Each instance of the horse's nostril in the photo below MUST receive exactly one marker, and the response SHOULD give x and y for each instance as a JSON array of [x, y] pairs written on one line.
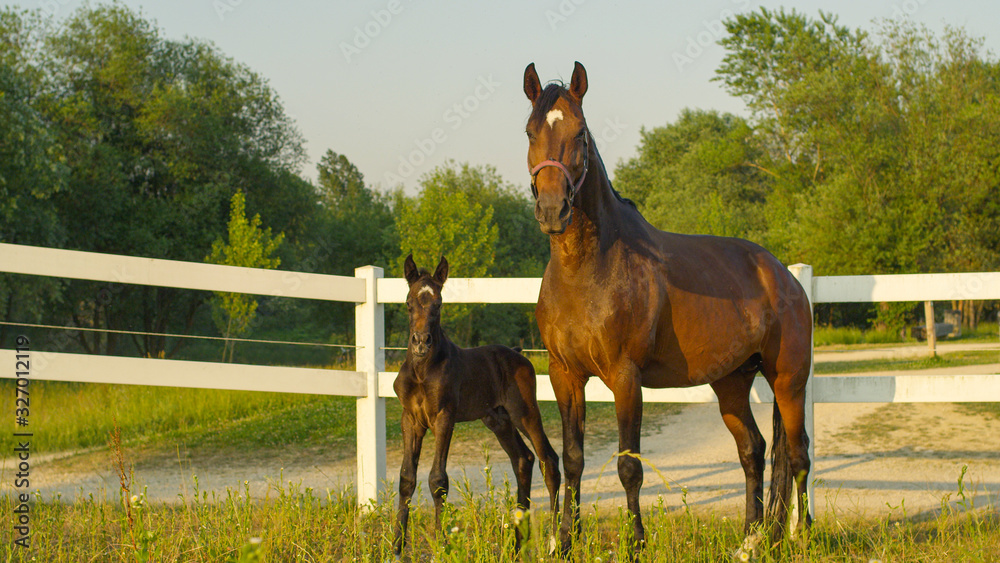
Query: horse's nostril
[[420, 339], [565, 211]]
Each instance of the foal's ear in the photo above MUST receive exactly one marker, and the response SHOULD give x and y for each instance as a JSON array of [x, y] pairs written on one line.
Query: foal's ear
[[578, 84], [441, 273], [532, 86], [410, 271]]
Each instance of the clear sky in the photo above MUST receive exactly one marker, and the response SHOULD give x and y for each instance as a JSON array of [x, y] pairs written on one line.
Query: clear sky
[[401, 86]]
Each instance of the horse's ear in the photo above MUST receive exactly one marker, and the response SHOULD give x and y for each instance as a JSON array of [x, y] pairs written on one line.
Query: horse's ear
[[578, 84], [532, 86], [410, 270], [441, 273]]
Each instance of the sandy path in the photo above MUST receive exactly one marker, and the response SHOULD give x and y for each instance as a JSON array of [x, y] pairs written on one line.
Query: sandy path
[[915, 452]]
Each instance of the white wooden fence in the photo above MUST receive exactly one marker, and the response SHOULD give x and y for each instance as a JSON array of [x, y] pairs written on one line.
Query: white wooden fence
[[371, 384]]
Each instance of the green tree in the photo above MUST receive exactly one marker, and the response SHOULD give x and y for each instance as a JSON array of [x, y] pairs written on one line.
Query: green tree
[[249, 246], [444, 220], [520, 251], [699, 175], [356, 225], [875, 143], [150, 137], [31, 170]]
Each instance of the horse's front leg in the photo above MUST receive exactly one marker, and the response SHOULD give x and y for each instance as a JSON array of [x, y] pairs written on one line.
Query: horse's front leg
[[569, 392], [628, 408], [413, 437], [438, 479]]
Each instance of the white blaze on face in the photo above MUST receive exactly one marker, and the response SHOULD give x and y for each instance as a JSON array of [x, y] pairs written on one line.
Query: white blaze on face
[[426, 289], [553, 116]]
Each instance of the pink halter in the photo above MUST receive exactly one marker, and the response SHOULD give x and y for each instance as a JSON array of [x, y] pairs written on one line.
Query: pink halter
[[569, 177]]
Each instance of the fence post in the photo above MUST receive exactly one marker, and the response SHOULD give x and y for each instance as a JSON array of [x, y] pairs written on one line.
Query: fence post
[[804, 273], [369, 327]]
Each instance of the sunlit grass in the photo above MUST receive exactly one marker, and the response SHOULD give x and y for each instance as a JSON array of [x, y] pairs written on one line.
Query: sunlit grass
[[824, 336], [294, 523], [951, 359]]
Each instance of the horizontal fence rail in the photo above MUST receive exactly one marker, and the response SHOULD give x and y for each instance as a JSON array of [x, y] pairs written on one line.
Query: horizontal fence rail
[[39, 261], [371, 384], [906, 287], [88, 368], [468, 290]]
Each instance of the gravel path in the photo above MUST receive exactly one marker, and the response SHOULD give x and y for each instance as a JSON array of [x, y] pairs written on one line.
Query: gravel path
[[869, 458]]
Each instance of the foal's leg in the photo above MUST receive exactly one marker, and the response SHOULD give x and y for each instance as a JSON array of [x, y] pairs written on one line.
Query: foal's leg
[[413, 437], [733, 392], [524, 411], [569, 391], [521, 459], [444, 425], [628, 407]]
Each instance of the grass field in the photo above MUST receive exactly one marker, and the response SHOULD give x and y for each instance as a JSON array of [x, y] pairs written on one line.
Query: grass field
[[293, 523], [951, 359], [849, 336]]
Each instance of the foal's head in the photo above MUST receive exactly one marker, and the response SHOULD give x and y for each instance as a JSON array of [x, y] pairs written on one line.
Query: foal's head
[[558, 143], [423, 305]]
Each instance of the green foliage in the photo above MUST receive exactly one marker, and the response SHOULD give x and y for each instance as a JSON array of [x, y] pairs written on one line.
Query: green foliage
[[848, 336], [894, 317], [355, 225], [698, 175], [446, 220], [485, 227], [131, 143], [248, 246], [876, 143]]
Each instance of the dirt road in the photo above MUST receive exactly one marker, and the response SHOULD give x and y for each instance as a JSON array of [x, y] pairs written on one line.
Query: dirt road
[[869, 459]]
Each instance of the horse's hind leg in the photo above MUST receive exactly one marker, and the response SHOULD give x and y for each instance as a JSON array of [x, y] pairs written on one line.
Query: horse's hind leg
[[790, 465], [526, 416], [521, 459], [733, 392]]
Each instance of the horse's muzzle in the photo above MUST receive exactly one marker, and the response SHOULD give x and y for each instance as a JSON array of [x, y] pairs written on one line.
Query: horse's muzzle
[[420, 343], [553, 219]]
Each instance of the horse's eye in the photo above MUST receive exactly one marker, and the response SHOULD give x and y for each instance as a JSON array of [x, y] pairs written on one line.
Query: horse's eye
[[531, 136], [581, 136]]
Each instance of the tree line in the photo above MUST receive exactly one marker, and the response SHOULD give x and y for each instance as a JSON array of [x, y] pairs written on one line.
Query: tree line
[[862, 153]]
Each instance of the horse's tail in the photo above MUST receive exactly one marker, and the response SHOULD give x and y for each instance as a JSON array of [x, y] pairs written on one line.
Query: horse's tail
[[782, 478]]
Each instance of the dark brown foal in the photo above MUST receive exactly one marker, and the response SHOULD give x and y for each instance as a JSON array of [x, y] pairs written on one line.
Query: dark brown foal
[[440, 384]]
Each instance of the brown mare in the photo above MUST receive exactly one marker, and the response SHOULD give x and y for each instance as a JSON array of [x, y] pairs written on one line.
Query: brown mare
[[639, 307], [440, 384]]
